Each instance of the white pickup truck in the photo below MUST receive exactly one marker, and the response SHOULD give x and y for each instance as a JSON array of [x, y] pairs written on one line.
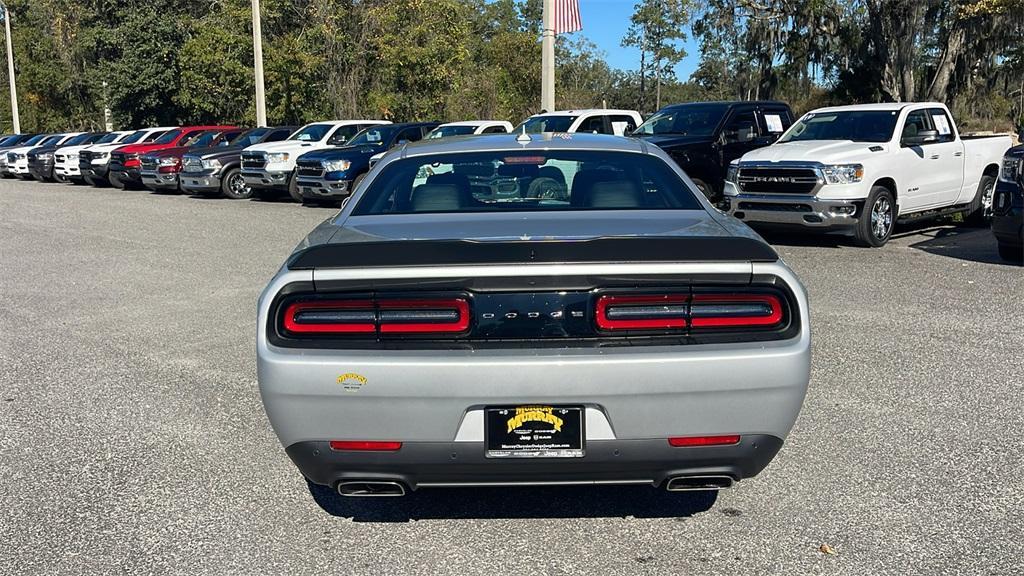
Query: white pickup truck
[[863, 168], [270, 166]]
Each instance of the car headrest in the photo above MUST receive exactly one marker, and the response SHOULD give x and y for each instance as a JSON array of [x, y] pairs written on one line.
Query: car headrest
[[614, 194], [438, 198], [605, 189]]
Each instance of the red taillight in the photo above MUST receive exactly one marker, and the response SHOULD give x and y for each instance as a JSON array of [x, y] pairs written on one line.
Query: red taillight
[[365, 446], [370, 316], [424, 316], [642, 312], [735, 310], [331, 317], [688, 441]]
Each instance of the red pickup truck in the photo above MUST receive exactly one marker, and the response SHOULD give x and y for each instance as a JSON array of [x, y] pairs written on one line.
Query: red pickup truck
[[125, 163]]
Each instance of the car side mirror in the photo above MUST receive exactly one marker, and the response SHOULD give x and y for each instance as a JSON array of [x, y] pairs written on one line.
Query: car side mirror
[[922, 137]]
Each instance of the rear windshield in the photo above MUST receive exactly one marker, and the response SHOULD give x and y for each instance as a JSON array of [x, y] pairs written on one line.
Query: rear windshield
[[526, 182], [539, 124], [858, 126]]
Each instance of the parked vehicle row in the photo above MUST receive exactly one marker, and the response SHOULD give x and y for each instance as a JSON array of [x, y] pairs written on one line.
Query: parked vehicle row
[[854, 169]]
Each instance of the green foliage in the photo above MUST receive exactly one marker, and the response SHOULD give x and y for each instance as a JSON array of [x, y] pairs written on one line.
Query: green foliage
[[184, 61]]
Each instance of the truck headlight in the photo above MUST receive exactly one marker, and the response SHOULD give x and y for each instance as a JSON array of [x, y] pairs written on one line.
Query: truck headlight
[[843, 173], [1010, 169], [72, 157], [733, 172], [336, 165], [211, 164], [101, 156], [45, 156], [167, 161], [275, 157]]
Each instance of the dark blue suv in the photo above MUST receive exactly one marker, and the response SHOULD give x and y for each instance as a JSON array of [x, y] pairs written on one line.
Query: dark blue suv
[[1008, 206], [332, 173]]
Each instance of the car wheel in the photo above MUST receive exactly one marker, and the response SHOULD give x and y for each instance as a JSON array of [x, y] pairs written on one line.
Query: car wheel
[[706, 189], [980, 213], [60, 179], [877, 219], [1011, 253], [233, 186], [115, 181], [293, 189]]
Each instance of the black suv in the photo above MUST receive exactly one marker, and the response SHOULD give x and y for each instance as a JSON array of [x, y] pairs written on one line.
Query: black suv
[[704, 137]]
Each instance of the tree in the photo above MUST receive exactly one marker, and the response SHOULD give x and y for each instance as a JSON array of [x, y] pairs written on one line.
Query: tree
[[656, 28]]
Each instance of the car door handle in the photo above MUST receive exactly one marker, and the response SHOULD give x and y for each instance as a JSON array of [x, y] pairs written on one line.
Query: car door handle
[[958, 154], [934, 156]]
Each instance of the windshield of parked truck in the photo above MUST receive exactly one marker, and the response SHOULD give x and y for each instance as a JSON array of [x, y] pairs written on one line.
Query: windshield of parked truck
[[446, 131], [249, 137], [168, 137], [686, 120], [374, 136], [9, 140], [540, 124], [35, 139], [52, 140], [107, 138], [80, 139], [521, 181], [202, 139], [858, 126], [312, 133]]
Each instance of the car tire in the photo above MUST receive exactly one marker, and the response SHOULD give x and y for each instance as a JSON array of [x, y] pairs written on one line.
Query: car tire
[[60, 179], [1011, 253], [293, 189], [706, 189], [116, 182], [980, 213], [877, 219], [233, 186]]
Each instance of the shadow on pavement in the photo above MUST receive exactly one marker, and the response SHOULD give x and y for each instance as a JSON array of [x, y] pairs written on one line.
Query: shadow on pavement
[[971, 244], [532, 502]]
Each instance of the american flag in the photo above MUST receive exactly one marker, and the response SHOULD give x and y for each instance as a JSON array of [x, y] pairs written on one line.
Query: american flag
[[567, 16]]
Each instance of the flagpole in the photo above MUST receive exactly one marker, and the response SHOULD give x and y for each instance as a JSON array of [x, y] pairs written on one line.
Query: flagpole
[[547, 71]]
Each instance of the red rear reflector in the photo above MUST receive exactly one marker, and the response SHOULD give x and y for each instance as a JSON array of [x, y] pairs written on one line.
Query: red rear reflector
[[330, 317], [642, 312], [365, 446], [433, 315], [735, 310], [685, 441]]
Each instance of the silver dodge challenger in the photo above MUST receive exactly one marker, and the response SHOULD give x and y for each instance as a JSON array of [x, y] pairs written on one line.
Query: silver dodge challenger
[[539, 309]]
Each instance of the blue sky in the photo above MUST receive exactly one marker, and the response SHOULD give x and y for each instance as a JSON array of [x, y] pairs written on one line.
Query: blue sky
[[605, 23]]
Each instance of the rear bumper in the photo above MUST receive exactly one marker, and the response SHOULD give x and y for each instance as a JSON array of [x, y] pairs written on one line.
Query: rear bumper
[[427, 464], [266, 179], [794, 210]]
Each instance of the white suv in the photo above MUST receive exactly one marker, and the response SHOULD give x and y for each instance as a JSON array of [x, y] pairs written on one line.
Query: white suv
[[595, 120]]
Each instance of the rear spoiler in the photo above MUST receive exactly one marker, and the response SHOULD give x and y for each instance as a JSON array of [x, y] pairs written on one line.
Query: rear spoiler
[[663, 249]]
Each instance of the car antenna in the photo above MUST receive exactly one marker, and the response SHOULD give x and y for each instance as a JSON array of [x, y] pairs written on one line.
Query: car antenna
[[523, 136]]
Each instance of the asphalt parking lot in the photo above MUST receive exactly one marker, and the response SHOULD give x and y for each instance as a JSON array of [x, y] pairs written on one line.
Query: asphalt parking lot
[[132, 438]]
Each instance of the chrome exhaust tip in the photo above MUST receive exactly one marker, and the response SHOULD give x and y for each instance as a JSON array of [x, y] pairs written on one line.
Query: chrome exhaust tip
[[689, 483], [371, 489]]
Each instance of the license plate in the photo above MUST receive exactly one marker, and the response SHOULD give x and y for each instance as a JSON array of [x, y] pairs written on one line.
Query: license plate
[[531, 431]]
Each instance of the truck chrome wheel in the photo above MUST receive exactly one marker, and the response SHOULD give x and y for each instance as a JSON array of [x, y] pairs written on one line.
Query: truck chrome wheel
[[237, 185], [881, 218], [987, 195]]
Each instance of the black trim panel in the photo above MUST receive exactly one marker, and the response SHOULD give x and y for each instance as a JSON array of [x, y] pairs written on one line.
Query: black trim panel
[[465, 463], [466, 252]]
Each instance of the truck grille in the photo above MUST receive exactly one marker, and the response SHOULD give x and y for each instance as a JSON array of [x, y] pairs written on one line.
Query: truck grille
[[148, 163], [253, 160], [59, 158], [778, 180], [32, 157], [310, 168], [191, 164]]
